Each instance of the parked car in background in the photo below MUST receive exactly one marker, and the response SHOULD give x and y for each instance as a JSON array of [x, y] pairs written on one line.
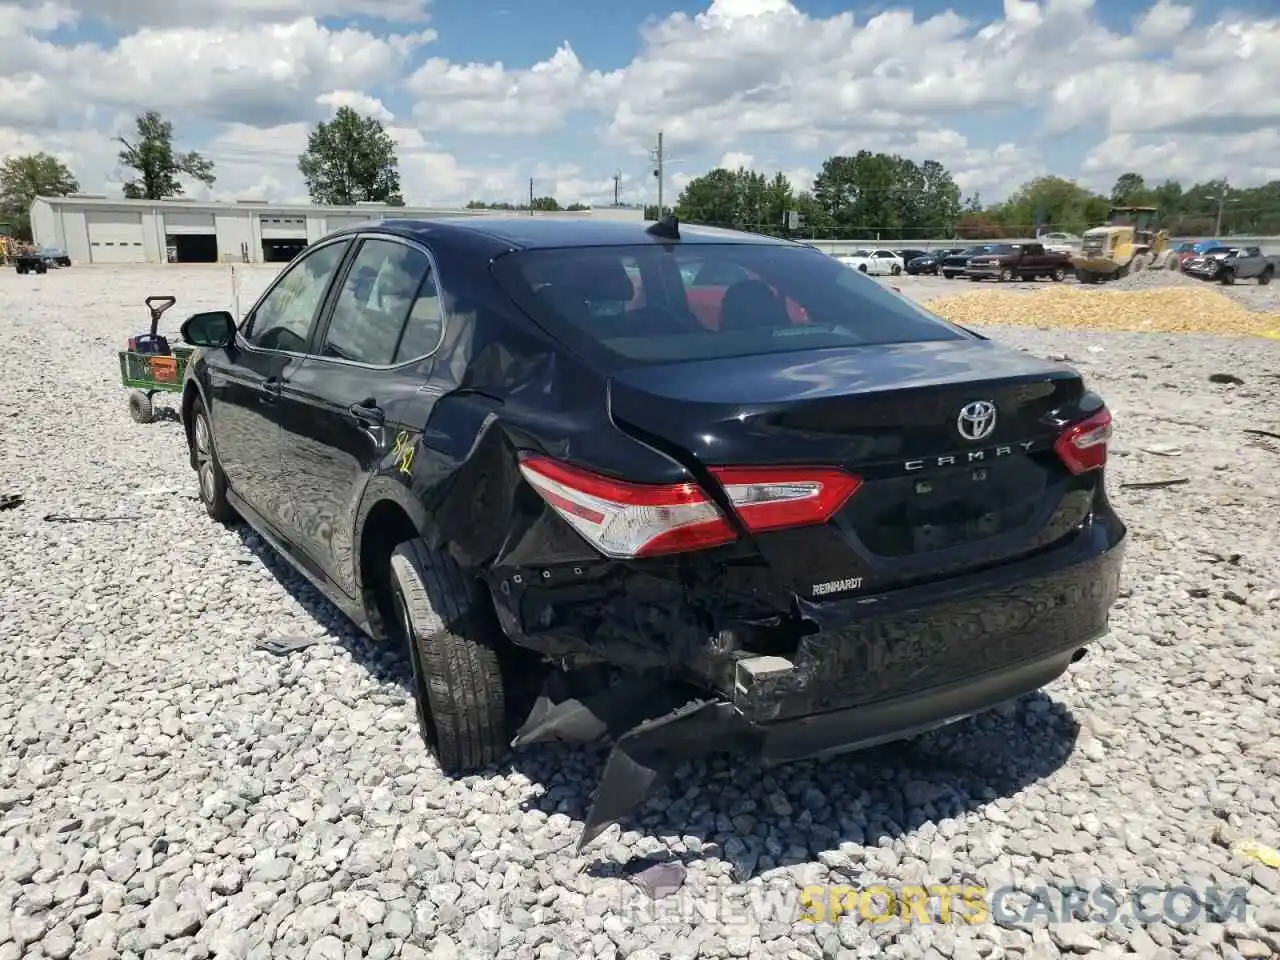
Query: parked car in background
[[1060, 242], [954, 265], [588, 516], [55, 256], [1018, 261], [1192, 249], [874, 262], [928, 263], [1229, 264], [908, 255]]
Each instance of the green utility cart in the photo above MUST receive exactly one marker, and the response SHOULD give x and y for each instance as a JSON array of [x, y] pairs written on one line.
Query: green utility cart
[[150, 366]]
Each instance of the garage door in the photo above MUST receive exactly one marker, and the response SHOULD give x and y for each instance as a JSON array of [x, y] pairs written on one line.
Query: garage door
[[178, 224], [284, 228], [115, 237]]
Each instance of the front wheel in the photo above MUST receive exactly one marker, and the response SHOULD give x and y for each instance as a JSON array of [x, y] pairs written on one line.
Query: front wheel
[[213, 482], [1006, 275], [1227, 278], [453, 640], [1266, 277]]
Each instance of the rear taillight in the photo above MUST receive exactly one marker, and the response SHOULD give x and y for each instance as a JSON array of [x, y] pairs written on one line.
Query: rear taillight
[[1083, 446], [770, 498], [622, 519]]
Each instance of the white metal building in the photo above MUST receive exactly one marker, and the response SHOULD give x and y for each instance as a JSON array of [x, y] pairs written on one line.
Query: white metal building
[[96, 229]]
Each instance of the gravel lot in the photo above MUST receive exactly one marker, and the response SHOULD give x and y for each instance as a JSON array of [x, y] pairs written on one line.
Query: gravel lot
[[168, 790], [1249, 293]]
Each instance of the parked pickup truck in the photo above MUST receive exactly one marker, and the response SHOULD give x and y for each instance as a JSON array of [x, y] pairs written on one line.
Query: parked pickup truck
[[1229, 264], [1018, 261]]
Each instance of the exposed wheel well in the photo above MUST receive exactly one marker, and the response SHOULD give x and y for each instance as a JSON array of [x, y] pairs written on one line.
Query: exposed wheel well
[[386, 527]]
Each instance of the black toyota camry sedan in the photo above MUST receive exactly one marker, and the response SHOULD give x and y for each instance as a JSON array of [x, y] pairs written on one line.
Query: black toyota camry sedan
[[675, 488]]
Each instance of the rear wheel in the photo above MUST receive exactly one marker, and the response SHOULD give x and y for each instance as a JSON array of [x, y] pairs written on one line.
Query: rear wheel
[[213, 482], [1058, 275], [1267, 274], [454, 643], [140, 407], [895, 270], [1228, 278], [862, 268]]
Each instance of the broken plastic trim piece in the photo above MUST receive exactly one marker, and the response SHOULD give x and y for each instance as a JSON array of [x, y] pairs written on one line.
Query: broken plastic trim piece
[[644, 758], [653, 724], [282, 645]]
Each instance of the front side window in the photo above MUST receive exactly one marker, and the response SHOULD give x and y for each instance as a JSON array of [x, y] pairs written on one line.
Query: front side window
[[377, 296], [769, 299], [283, 318]]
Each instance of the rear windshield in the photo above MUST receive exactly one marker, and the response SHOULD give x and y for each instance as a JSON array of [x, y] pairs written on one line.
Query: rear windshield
[[1003, 248], [660, 304]]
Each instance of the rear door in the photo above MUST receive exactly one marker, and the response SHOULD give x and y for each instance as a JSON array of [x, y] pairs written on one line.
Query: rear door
[[359, 397], [245, 380]]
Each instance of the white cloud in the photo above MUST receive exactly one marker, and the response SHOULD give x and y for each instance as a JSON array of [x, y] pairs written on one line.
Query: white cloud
[[489, 98], [131, 13], [743, 81], [360, 102]]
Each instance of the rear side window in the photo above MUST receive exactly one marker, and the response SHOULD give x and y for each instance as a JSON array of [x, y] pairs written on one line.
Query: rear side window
[[378, 303], [651, 303]]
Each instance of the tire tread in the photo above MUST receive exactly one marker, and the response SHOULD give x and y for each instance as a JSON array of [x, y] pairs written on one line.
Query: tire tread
[[455, 635]]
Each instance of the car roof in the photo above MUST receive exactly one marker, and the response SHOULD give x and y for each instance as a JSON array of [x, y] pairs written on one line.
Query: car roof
[[533, 233]]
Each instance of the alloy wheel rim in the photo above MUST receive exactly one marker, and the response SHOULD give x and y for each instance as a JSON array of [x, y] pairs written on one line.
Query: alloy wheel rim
[[204, 460]]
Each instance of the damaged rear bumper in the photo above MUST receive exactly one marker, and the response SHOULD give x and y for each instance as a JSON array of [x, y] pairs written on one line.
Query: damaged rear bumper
[[874, 669]]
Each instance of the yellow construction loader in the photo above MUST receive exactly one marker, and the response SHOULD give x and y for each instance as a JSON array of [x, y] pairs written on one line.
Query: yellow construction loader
[[1126, 243]]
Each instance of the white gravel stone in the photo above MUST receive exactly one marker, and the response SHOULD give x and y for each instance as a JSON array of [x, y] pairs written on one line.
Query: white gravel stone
[[166, 789]]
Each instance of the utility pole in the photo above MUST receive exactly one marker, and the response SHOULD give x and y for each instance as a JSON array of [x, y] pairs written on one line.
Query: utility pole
[[1222, 200], [658, 158], [617, 187], [531, 196]]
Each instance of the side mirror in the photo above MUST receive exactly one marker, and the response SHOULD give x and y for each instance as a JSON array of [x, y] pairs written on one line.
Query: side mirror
[[216, 328]]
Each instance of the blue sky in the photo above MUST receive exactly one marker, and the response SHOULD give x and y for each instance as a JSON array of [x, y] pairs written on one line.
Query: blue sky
[[480, 99]]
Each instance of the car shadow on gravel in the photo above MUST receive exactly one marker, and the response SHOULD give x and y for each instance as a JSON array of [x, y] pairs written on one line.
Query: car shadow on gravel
[[759, 817]]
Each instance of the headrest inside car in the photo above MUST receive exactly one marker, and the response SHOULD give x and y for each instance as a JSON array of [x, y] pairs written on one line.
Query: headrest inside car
[[597, 279]]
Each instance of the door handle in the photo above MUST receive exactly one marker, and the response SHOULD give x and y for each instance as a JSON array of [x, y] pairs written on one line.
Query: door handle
[[269, 389], [367, 413]]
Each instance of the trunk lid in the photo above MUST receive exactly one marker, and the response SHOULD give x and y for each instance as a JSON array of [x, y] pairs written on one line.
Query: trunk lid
[[934, 501]]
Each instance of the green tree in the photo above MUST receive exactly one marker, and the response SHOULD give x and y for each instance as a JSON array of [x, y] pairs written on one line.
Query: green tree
[[1131, 190], [22, 179], [977, 225], [159, 168], [1050, 202], [738, 199], [350, 159], [550, 204]]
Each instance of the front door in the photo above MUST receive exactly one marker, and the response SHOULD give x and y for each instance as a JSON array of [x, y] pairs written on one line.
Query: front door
[[359, 396], [245, 378]]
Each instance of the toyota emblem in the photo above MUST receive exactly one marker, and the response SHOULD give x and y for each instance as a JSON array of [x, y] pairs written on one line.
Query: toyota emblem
[[977, 420]]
